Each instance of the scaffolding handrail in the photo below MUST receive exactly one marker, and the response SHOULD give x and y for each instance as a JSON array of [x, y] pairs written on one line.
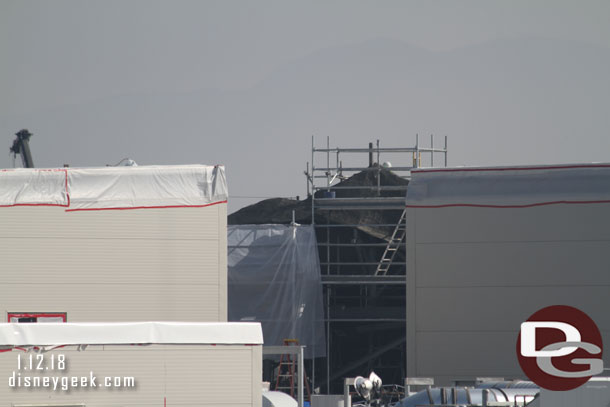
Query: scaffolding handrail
[[327, 197], [380, 150]]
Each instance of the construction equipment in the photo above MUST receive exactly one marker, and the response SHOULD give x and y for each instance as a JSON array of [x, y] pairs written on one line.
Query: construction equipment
[[286, 374], [21, 146], [393, 246]]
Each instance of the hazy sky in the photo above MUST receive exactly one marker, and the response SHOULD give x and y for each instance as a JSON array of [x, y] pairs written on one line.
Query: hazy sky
[[62, 52], [82, 59]]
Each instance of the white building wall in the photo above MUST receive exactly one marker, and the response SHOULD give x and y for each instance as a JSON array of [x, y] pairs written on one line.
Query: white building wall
[[172, 375], [111, 260], [115, 265], [475, 273]]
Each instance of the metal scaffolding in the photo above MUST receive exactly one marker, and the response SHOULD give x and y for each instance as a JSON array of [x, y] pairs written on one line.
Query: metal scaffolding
[[369, 291]]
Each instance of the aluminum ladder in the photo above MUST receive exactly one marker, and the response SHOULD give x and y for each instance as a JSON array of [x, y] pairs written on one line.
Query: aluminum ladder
[[398, 236]]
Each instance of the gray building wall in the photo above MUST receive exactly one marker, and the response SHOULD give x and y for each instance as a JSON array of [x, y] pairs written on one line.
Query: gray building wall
[[475, 273]]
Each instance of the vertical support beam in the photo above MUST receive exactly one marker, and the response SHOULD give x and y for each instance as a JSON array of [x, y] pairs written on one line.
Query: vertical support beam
[[328, 261], [417, 156], [432, 152], [301, 374], [445, 151], [307, 178], [378, 171], [313, 182], [327, 339], [328, 162], [411, 345], [347, 399], [313, 368], [317, 181]]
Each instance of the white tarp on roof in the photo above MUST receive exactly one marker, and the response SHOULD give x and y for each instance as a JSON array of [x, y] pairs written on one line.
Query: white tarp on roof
[[24, 186], [55, 334], [274, 278], [115, 187], [146, 186], [510, 187]]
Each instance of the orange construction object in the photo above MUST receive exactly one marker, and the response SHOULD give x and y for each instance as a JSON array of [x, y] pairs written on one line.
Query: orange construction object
[[286, 374]]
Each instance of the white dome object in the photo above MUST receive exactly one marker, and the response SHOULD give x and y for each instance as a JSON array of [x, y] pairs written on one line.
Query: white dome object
[[278, 399]]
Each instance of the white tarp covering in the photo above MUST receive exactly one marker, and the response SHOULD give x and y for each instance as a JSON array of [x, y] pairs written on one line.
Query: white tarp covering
[[146, 186], [115, 187], [55, 334], [24, 186], [509, 187], [274, 278]]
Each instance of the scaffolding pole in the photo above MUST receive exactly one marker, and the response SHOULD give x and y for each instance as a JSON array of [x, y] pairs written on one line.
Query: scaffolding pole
[[321, 186]]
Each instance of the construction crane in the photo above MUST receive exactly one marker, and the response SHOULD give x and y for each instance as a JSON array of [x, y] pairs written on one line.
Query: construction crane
[[21, 146]]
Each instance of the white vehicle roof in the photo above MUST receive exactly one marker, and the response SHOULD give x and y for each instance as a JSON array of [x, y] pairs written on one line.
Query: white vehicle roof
[[121, 333]]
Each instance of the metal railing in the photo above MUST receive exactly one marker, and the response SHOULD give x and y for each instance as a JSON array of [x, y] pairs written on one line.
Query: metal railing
[[323, 174]]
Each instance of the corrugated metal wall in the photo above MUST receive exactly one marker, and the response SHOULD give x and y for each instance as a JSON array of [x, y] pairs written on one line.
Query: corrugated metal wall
[[184, 375], [474, 274], [115, 265], [127, 265]]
